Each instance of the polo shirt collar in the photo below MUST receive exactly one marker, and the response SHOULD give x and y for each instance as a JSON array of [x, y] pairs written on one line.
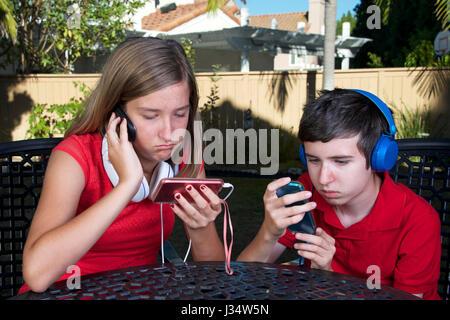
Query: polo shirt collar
[[385, 214]]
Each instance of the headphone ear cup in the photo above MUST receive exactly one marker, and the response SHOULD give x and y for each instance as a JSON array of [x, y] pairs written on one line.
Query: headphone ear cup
[[385, 153], [301, 153], [144, 189]]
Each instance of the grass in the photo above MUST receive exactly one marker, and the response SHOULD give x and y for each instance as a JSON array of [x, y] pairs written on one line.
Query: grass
[[247, 215]]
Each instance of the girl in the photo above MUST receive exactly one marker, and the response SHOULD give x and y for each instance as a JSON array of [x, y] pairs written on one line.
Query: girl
[[82, 218]]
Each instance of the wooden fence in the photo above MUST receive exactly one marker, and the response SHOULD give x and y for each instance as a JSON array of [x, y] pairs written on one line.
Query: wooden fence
[[265, 99]]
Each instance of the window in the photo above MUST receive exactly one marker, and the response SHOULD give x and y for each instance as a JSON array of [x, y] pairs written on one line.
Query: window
[[297, 58]]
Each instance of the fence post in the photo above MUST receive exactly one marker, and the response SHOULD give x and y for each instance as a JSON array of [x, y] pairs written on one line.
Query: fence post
[[311, 86]]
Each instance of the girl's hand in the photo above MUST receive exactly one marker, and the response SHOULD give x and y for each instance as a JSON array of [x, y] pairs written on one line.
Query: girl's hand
[[122, 155], [201, 213]]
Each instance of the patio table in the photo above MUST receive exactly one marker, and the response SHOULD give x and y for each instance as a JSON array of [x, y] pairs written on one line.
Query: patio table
[[209, 281]]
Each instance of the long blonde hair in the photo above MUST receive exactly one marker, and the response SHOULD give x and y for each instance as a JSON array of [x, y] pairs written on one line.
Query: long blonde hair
[[138, 67]]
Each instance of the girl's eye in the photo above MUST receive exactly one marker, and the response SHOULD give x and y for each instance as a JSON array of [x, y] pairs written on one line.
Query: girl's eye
[[149, 117], [180, 115], [313, 160]]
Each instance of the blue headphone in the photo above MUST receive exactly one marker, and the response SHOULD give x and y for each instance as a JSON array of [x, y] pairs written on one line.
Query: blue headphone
[[385, 152]]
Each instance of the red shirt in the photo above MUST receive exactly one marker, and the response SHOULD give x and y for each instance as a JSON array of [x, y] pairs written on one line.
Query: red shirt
[[401, 235], [134, 238]]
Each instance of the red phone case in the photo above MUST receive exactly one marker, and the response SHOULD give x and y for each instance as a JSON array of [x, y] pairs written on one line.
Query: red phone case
[[168, 187]]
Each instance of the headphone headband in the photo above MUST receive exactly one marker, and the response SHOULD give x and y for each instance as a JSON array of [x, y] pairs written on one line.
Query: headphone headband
[[382, 107]]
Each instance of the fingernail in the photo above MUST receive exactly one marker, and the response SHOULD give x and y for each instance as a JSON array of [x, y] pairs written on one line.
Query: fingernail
[[202, 187], [177, 196], [172, 206], [308, 194], [188, 188], [297, 236]]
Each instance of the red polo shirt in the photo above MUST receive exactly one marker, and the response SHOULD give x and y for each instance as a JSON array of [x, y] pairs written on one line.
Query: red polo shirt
[[401, 235]]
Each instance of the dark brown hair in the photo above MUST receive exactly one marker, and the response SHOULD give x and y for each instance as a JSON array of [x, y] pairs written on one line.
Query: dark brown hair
[[343, 113], [136, 68]]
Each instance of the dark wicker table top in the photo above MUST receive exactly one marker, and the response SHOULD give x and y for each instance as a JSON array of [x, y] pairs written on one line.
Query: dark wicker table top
[[209, 281]]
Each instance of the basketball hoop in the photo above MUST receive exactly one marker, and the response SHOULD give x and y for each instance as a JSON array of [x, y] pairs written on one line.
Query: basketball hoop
[[442, 43]]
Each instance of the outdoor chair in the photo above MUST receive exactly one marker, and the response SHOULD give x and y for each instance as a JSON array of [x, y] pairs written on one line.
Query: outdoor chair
[[424, 166], [23, 165]]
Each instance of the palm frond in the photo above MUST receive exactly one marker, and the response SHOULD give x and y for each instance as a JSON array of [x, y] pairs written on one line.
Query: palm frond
[[385, 6], [8, 25], [442, 10], [214, 5]]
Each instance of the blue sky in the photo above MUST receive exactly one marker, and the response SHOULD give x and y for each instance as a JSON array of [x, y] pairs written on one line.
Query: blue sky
[[257, 7]]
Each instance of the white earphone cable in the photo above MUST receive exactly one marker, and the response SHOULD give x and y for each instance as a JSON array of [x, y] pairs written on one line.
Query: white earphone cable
[[228, 185], [170, 174], [225, 185], [162, 235], [187, 252]]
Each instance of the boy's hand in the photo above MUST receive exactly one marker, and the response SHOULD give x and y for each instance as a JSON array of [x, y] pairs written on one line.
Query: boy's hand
[[319, 248], [277, 216]]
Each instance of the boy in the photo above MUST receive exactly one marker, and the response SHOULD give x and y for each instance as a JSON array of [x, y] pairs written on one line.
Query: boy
[[365, 221]]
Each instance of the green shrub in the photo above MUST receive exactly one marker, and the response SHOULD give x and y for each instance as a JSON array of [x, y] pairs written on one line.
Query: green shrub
[[49, 121], [412, 123], [208, 111]]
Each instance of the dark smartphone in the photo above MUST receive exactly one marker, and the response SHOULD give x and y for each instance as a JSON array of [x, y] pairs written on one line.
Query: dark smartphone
[[307, 224], [130, 126]]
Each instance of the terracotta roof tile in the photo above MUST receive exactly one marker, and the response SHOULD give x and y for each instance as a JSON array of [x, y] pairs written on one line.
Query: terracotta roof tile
[[183, 13], [286, 21]]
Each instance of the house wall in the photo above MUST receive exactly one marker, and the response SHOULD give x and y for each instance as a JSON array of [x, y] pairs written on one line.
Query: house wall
[[282, 61], [316, 18], [275, 99]]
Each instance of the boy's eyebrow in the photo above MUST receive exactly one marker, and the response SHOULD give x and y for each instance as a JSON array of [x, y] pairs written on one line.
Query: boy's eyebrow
[[340, 157], [156, 110]]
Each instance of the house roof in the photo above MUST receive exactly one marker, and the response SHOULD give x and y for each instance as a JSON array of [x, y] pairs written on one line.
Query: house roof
[[286, 21], [183, 13], [272, 41]]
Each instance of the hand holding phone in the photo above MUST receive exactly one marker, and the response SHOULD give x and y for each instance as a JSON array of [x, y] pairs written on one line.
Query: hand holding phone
[[306, 225], [120, 159], [130, 126], [168, 187]]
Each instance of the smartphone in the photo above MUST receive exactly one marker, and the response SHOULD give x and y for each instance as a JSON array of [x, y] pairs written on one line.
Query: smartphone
[[130, 126], [307, 225], [168, 187]]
